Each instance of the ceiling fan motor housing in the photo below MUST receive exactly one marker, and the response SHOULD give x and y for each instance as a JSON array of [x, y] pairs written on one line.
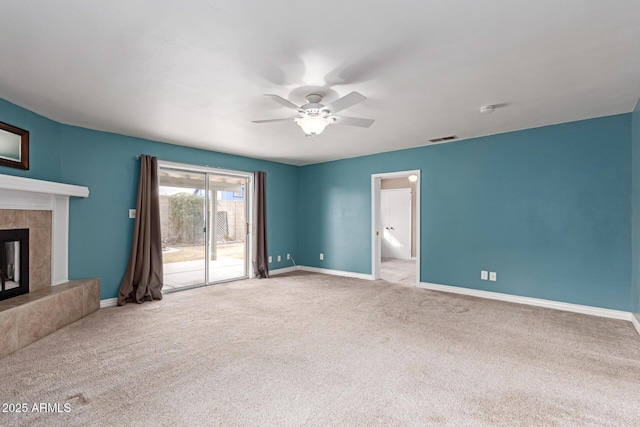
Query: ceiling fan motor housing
[[314, 108], [313, 98]]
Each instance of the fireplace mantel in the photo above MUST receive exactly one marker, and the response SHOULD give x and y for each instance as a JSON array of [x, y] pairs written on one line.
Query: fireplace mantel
[[17, 183], [33, 194]]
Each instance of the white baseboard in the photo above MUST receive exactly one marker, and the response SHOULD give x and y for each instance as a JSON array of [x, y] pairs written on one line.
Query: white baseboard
[[635, 319], [284, 270], [337, 272], [110, 302], [565, 306]]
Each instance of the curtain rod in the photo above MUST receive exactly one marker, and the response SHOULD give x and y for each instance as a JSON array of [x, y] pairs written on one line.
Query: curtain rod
[[171, 161]]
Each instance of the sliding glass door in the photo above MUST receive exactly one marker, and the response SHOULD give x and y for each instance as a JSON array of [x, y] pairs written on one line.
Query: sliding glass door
[[204, 222], [182, 223], [228, 217]]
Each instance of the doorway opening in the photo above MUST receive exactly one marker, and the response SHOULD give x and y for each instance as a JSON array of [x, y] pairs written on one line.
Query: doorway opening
[[395, 214], [204, 219]]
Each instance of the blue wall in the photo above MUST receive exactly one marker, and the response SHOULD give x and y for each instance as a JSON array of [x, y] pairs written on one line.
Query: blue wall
[[548, 209], [100, 233], [100, 230], [635, 203], [44, 142]]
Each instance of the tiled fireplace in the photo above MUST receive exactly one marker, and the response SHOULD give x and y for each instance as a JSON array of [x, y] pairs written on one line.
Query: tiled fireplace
[[35, 214], [38, 222]]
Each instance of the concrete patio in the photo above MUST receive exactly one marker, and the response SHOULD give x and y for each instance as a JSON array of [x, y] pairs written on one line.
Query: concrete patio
[[190, 273]]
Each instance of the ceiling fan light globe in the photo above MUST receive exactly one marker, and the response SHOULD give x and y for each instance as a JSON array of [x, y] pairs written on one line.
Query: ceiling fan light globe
[[313, 125]]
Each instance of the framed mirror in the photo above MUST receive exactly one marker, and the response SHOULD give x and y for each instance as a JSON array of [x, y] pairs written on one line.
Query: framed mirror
[[14, 146]]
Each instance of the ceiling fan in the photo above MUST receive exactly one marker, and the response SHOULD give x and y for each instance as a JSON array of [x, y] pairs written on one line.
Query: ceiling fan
[[315, 117]]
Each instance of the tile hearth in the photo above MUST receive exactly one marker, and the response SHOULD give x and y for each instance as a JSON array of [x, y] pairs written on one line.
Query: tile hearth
[[27, 318]]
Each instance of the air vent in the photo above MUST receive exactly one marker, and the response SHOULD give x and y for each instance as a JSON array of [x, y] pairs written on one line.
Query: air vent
[[444, 138]]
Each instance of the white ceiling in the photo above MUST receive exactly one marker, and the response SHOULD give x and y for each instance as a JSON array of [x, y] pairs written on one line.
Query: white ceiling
[[193, 72]]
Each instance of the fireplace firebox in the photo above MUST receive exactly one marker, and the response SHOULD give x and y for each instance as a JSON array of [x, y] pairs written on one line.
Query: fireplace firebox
[[14, 262]]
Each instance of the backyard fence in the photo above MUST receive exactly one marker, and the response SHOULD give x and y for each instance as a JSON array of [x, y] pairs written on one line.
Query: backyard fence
[[182, 220]]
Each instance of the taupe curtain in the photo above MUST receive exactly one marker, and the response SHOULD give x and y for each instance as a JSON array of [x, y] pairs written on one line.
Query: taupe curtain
[[143, 279], [259, 244]]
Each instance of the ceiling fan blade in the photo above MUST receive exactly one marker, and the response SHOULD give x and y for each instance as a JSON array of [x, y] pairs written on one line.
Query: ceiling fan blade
[[273, 120], [345, 102], [280, 100], [354, 121]]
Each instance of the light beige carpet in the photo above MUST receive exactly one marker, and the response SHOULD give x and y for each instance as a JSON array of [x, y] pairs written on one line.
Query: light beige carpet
[[309, 349]]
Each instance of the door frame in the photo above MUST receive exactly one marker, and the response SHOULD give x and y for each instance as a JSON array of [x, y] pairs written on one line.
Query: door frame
[[249, 214], [376, 243]]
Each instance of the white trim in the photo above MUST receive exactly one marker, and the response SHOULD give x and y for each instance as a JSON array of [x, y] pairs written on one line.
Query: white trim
[[60, 241], [284, 270], [18, 183], [635, 319], [336, 272], [12, 199], [376, 248], [110, 302], [556, 305], [249, 195], [375, 219]]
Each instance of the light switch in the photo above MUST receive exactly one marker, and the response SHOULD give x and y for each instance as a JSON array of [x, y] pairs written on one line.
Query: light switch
[[493, 276], [270, 259], [132, 213], [484, 275]]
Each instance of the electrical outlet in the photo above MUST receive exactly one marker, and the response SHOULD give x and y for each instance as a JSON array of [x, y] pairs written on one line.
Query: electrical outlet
[[270, 259], [132, 213], [493, 276], [279, 258], [288, 256], [321, 256], [484, 275]]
